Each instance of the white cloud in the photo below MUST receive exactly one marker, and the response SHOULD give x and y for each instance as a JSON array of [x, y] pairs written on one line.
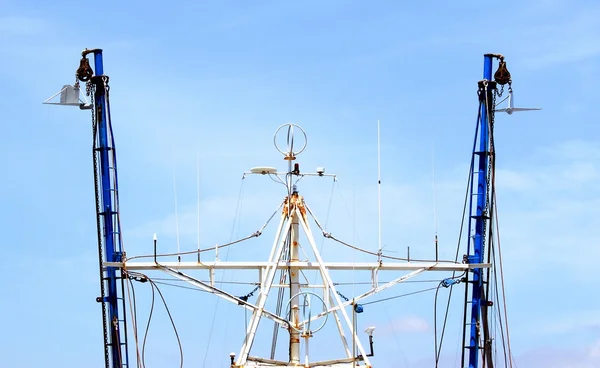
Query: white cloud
[[567, 166], [553, 357], [409, 324], [594, 351]]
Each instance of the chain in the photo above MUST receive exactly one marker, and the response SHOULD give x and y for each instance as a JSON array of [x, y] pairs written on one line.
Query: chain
[[90, 91], [250, 294], [105, 82], [490, 116], [499, 93], [342, 296]]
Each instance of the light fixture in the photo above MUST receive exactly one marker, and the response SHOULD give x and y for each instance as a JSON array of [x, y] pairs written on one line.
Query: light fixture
[[369, 331], [69, 96], [232, 357]]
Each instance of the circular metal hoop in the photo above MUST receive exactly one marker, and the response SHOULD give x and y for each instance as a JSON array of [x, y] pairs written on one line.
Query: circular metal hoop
[[290, 153], [306, 311]]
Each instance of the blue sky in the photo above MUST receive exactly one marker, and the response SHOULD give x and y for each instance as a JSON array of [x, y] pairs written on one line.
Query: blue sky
[[216, 80]]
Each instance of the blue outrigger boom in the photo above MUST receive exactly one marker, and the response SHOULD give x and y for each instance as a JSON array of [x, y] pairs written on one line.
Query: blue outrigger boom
[[480, 214], [107, 210]]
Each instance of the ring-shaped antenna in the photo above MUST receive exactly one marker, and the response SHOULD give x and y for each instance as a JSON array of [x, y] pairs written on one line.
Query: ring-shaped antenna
[[306, 309], [289, 153]]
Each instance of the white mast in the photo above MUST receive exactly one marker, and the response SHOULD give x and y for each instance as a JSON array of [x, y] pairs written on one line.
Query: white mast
[[293, 253], [198, 205], [379, 186], [176, 215]]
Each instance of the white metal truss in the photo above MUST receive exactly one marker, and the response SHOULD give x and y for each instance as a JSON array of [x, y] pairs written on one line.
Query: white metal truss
[[305, 265]]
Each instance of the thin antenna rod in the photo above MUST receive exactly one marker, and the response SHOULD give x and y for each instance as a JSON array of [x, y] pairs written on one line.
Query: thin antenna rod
[[198, 204], [379, 182], [435, 223], [176, 215]]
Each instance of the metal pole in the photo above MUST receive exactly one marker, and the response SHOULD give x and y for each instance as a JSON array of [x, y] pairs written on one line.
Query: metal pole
[[294, 288], [478, 237], [107, 212]]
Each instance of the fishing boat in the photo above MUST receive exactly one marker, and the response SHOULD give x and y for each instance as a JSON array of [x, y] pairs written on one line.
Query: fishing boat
[[295, 296]]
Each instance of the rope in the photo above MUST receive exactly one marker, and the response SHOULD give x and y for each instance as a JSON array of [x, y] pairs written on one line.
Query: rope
[[442, 283], [172, 322], [144, 278], [147, 329], [133, 310]]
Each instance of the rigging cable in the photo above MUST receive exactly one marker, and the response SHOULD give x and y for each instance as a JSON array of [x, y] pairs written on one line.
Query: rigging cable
[[499, 316], [133, 309], [328, 212], [464, 329], [396, 337], [330, 236], [510, 356], [254, 235], [279, 306], [117, 211], [399, 296], [172, 322], [208, 281], [180, 286], [147, 328], [212, 325], [114, 159], [488, 212], [140, 277], [462, 224], [487, 353], [91, 89], [437, 289]]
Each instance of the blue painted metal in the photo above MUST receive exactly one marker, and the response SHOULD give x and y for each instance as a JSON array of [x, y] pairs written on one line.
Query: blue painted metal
[[481, 159], [110, 237], [449, 282]]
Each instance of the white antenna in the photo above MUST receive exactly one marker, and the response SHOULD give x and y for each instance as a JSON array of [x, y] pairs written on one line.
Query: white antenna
[[176, 215], [435, 223], [379, 183], [198, 206]]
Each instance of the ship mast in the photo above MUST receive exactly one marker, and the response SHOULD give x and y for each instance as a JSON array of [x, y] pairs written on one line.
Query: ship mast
[[293, 247], [480, 213], [306, 312], [110, 245]]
